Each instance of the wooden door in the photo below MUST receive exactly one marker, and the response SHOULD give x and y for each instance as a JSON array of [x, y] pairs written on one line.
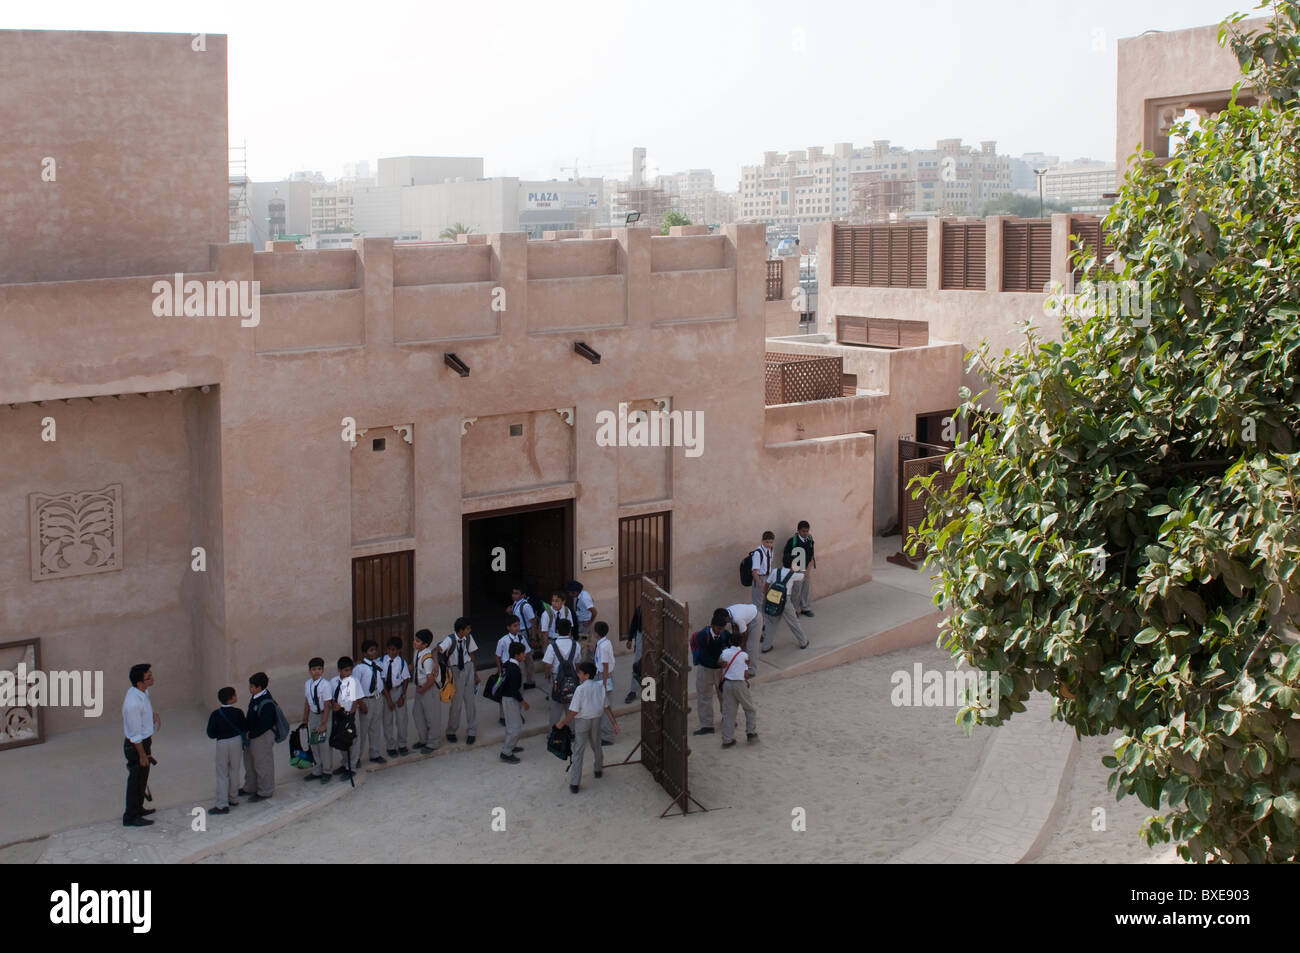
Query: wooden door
[[644, 549], [383, 599]]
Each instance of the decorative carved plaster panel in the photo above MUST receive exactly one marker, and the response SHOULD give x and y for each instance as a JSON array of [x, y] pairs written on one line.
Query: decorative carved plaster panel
[[74, 534]]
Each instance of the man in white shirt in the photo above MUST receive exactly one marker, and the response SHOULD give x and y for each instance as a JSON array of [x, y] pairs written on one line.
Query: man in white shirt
[[746, 620], [348, 696], [523, 611], [427, 705], [138, 725], [584, 607], [585, 710], [563, 646], [370, 722], [760, 566], [459, 651], [396, 673], [790, 580], [604, 661], [735, 691]]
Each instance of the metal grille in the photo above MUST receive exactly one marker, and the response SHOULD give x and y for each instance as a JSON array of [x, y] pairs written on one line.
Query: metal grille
[[962, 263], [775, 280], [794, 378], [644, 546], [1026, 255], [881, 256]]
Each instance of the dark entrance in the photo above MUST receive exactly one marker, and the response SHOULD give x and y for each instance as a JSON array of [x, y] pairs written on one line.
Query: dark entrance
[[930, 428], [383, 599], [538, 551]]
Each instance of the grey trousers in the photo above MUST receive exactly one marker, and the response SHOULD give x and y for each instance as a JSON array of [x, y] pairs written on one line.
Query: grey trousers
[[464, 699], [426, 710], [706, 685], [736, 692], [370, 726], [322, 753], [791, 620], [229, 752], [802, 596], [259, 765], [395, 722], [756, 596], [606, 725], [586, 734], [514, 723], [555, 710]]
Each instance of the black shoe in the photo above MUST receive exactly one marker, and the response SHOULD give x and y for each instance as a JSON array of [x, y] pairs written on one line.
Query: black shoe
[[606, 743], [451, 738], [804, 646], [702, 731], [598, 773], [392, 752], [728, 744], [501, 721], [807, 612], [147, 811], [752, 736], [530, 684], [137, 822], [768, 649], [508, 758], [324, 779], [219, 810], [518, 748], [258, 797], [631, 697], [469, 739], [243, 793], [379, 760], [573, 789], [233, 803], [314, 777], [339, 771], [403, 752]]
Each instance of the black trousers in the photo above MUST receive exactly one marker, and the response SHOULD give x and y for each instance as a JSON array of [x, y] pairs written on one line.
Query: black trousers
[[137, 778]]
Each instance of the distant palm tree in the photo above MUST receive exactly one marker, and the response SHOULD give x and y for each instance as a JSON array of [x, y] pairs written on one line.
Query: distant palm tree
[[457, 229]]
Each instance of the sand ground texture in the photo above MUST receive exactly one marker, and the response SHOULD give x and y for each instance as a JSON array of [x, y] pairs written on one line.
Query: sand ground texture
[[871, 778]]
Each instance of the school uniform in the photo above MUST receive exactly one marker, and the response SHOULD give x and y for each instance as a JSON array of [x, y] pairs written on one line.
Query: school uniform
[[735, 692], [800, 597], [587, 705], [460, 662], [137, 728], [788, 615], [318, 693], [502, 653], [549, 618], [226, 727], [370, 726], [605, 657], [584, 606], [511, 699], [558, 649], [760, 560], [426, 706], [259, 755], [346, 693], [396, 673], [747, 620], [635, 687], [706, 680], [527, 617]]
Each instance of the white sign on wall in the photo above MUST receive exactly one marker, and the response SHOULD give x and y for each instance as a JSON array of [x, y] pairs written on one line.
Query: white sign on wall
[[600, 558]]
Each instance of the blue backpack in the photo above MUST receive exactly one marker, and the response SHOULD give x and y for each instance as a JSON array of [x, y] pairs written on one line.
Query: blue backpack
[[774, 602]]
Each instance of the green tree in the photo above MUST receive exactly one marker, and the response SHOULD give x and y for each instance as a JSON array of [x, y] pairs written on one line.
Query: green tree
[[672, 218], [1125, 536], [450, 233], [1022, 206]]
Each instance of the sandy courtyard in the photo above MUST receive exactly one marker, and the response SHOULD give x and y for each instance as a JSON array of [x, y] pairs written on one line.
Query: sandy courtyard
[[871, 779]]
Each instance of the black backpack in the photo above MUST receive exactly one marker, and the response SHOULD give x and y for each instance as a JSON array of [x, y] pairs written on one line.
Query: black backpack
[[492, 687], [566, 675], [343, 726], [560, 742], [747, 569]]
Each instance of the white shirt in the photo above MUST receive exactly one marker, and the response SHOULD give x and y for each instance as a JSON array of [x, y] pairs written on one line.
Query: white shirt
[[362, 673], [736, 673], [503, 645], [424, 665], [585, 604], [324, 691], [760, 560], [742, 614], [550, 617], [137, 715], [348, 690], [604, 656], [588, 699], [401, 673], [524, 613], [448, 647], [559, 649], [789, 575]]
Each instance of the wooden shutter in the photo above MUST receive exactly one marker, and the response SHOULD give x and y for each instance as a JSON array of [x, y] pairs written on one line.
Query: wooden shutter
[[917, 265], [962, 260], [1092, 239], [1026, 255]]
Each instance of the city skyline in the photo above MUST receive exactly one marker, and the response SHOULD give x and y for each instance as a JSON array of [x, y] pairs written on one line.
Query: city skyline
[[591, 101]]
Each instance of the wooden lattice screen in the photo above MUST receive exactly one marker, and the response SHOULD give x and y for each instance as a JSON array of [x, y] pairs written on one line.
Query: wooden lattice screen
[[879, 256], [794, 378], [775, 280], [1026, 255], [962, 259], [917, 459], [1090, 237]]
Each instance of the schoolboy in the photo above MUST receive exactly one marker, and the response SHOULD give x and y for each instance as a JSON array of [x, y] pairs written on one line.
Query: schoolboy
[[604, 661], [521, 609], [347, 696], [259, 754], [734, 663], [315, 714], [552, 616], [459, 651], [427, 707], [563, 646], [502, 654], [370, 722], [226, 726], [396, 674], [512, 700], [585, 712]]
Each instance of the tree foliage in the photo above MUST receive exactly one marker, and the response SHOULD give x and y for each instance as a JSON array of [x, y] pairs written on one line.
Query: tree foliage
[[671, 218], [1124, 535], [450, 232], [1022, 206]]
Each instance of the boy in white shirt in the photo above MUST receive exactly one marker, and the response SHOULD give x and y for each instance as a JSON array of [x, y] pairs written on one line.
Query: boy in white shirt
[[459, 651], [523, 611], [791, 580], [585, 710], [315, 714], [396, 673], [552, 615], [502, 655], [746, 621], [734, 663], [370, 723], [584, 608], [563, 647], [426, 703], [347, 696], [604, 661]]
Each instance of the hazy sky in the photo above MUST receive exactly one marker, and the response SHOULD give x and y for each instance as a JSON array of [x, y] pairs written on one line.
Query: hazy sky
[[534, 86]]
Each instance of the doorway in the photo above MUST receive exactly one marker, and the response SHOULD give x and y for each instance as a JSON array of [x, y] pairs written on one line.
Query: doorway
[[930, 428], [383, 599], [530, 546]]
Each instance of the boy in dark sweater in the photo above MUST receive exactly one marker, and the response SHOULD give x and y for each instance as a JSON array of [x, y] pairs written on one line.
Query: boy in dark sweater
[[512, 700], [259, 761], [226, 725]]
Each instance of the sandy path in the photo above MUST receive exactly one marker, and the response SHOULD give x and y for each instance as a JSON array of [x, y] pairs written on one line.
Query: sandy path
[[871, 778]]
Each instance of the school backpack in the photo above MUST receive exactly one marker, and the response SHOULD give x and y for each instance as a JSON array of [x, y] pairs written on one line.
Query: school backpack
[[705, 648], [492, 687], [298, 749], [566, 675], [343, 729], [280, 725], [444, 680], [560, 742], [747, 569], [774, 603]]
